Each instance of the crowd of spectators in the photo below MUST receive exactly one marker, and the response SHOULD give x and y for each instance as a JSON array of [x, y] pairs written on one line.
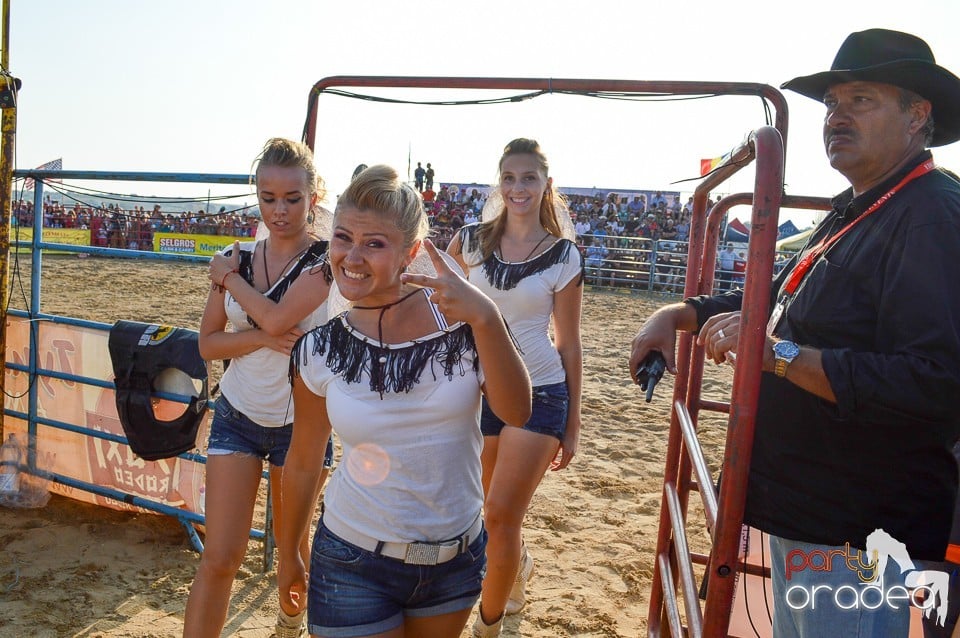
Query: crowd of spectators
[[598, 215], [112, 226], [450, 208], [622, 238], [662, 218]]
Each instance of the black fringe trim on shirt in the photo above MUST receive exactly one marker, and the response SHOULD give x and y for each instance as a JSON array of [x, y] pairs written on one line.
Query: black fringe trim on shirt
[[313, 257], [351, 357], [504, 275], [246, 264]]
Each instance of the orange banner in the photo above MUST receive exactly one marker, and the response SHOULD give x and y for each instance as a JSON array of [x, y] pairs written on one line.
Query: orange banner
[[83, 351]]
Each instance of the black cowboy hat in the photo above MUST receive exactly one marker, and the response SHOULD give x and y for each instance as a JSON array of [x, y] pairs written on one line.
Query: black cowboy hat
[[900, 59]]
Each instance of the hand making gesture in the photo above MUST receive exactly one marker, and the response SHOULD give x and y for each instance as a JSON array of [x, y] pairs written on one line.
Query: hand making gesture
[[457, 298]]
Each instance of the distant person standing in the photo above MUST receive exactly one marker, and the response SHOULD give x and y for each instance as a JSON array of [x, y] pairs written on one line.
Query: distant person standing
[[418, 176], [429, 176], [725, 262], [740, 269]]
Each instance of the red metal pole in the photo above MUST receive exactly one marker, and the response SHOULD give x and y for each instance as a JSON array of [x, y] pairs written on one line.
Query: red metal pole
[[746, 380], [549, 85]]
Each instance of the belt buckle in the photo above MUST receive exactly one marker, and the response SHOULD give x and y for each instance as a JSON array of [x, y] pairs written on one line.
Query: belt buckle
[[422, 554]]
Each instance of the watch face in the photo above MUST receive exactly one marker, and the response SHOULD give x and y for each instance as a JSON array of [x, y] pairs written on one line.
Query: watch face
[[786, 350]]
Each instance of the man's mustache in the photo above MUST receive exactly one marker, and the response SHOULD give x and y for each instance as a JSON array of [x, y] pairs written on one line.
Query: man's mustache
[[843, 132]]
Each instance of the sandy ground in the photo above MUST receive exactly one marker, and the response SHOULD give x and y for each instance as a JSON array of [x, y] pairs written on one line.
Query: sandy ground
[[72, 569]]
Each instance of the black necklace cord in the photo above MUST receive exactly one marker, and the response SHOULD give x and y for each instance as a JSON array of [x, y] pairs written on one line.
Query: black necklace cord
[[532, 250], [266, 271], [383, 309]]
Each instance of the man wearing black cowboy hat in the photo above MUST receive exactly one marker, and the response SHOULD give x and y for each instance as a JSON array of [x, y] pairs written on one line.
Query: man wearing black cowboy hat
[[856, 416]]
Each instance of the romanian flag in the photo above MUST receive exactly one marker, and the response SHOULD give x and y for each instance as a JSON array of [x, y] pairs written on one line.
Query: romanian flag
[[707, 165]]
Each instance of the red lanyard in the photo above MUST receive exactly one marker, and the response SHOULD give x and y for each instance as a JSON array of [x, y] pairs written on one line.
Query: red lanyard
[[800, 270]]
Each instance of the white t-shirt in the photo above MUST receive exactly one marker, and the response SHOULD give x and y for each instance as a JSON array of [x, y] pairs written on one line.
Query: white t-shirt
[[257, 383], [410, 469], [524, 293]]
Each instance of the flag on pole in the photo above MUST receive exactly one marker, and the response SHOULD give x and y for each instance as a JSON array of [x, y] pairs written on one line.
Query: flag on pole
[[707, 165], [54, 165]]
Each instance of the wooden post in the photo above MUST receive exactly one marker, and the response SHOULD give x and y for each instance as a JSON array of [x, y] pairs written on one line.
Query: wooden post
[[8, 131]]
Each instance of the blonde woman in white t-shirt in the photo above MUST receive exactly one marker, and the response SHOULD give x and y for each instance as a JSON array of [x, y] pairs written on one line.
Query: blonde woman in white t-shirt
[[522, 255], [399, 550]]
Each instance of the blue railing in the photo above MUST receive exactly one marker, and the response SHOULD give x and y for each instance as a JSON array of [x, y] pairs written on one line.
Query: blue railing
[[187, 518]]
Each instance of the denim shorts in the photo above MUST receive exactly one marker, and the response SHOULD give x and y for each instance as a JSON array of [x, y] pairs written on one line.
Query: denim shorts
[[355, 592], [550, 405], [233, 432]]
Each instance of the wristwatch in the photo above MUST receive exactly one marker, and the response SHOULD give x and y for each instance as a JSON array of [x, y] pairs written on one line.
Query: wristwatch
[[783, 353]]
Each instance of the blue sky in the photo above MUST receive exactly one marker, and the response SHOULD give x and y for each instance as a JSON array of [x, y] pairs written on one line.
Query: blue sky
[[198, 86]]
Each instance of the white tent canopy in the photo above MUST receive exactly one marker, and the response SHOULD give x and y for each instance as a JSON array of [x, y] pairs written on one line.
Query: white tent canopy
[[794, 242]]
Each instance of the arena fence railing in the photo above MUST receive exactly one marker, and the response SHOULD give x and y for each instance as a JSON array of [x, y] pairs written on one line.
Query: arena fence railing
[[622, 262], [43, 367]]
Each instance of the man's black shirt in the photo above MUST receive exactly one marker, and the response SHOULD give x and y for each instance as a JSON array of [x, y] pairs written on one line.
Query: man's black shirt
[[883, 306]]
